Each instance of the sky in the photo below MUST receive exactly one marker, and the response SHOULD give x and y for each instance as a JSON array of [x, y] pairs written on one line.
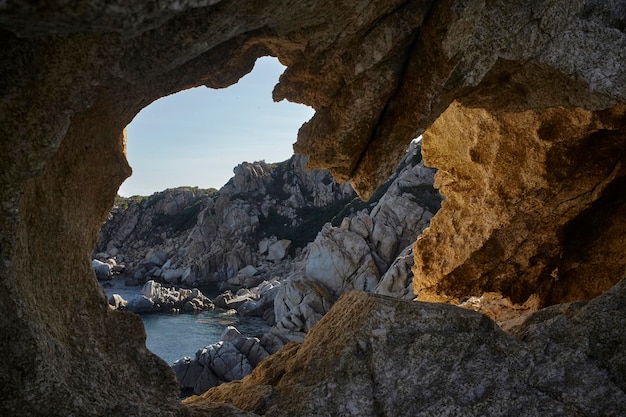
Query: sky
[[196, 137]]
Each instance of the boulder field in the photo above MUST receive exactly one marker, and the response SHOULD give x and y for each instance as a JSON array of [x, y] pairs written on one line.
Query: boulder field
[[522, 107]]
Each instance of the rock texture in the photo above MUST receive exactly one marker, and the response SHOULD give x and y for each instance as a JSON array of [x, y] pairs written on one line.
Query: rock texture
[[155, 298], [232, 358], [377, 73], [369, 252], [189, 236], [552, 227], [397, 358]]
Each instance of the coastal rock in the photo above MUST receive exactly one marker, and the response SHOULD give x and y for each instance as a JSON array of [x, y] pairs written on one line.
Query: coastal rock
[[212, 236], [232, 358], [299, 304], [341, 261], [102, 270], [156, 298], [225, 360], [278, 250], [264, 302], [117, 302], [451, 361], [398, 280], [173, 276]]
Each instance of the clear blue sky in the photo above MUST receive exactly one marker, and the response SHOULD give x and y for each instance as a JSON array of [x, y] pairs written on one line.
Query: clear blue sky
[[196, 137]]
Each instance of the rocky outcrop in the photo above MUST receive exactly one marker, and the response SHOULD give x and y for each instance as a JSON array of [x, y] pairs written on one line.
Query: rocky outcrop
[[367, 252], [362, 254], [155, 298], [263, 215], [390, 357], [232, 358], [74, 74]]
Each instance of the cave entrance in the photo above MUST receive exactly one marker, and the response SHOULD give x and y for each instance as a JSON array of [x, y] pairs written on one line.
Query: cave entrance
[[193, 138]]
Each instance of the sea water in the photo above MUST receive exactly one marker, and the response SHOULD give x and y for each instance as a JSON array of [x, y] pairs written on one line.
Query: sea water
[[173, 336]]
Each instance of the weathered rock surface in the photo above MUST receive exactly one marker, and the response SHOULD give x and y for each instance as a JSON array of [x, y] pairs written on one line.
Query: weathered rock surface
[[542, 228], [367, 252], [377, 74], [232, 358], [191, 236], [341, 259], [155, 298], [390, 357]]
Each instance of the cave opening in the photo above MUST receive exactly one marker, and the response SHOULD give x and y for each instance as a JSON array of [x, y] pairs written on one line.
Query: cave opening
[[197, 136]]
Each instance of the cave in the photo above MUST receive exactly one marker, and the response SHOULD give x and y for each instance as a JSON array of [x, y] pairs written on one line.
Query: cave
[[522, 107]]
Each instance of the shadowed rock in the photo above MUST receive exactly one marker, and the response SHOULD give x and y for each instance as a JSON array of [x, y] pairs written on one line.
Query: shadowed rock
[[373, 355]]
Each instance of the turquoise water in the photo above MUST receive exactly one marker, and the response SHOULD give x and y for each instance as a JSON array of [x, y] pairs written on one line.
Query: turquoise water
[[173, 336]]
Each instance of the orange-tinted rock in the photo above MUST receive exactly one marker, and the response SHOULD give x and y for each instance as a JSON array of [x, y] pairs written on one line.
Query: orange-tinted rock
[[373, 356], [530, 204]]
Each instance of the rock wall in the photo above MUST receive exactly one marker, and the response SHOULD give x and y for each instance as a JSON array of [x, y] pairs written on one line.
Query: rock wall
[[378, 74], [389, 357], [529, 214]]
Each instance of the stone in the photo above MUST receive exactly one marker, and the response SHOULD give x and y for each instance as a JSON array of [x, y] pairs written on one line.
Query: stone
[[507, 229], [190, 374], [233, 357], [158, 258], [299, 305], [398, 280], [157, 298], [251, 348], [278, 250], [117, 302], [341, 261], [140, 304], [102, 270], [173, 276], [450, 361], [206, 381], [230, 333], [151, 289], [264, 246], [267, 292], [225, 361], [247, 271]]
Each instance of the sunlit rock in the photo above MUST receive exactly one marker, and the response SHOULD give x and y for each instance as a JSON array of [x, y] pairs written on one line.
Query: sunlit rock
[[373, 355]]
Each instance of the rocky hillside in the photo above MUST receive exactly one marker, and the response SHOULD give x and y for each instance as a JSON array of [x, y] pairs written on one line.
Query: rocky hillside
[[191, 236], [260, 221]]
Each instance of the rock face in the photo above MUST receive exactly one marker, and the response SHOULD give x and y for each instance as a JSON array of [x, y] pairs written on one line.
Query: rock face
[[190, 236], [400, 358], [378, 74], [368, 252], [557, 229]]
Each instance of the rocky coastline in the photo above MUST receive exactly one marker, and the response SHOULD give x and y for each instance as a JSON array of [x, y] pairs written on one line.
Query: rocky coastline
[[369, 249]]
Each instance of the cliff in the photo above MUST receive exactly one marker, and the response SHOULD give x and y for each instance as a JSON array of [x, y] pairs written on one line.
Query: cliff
[[209, 236], [522, 106]]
